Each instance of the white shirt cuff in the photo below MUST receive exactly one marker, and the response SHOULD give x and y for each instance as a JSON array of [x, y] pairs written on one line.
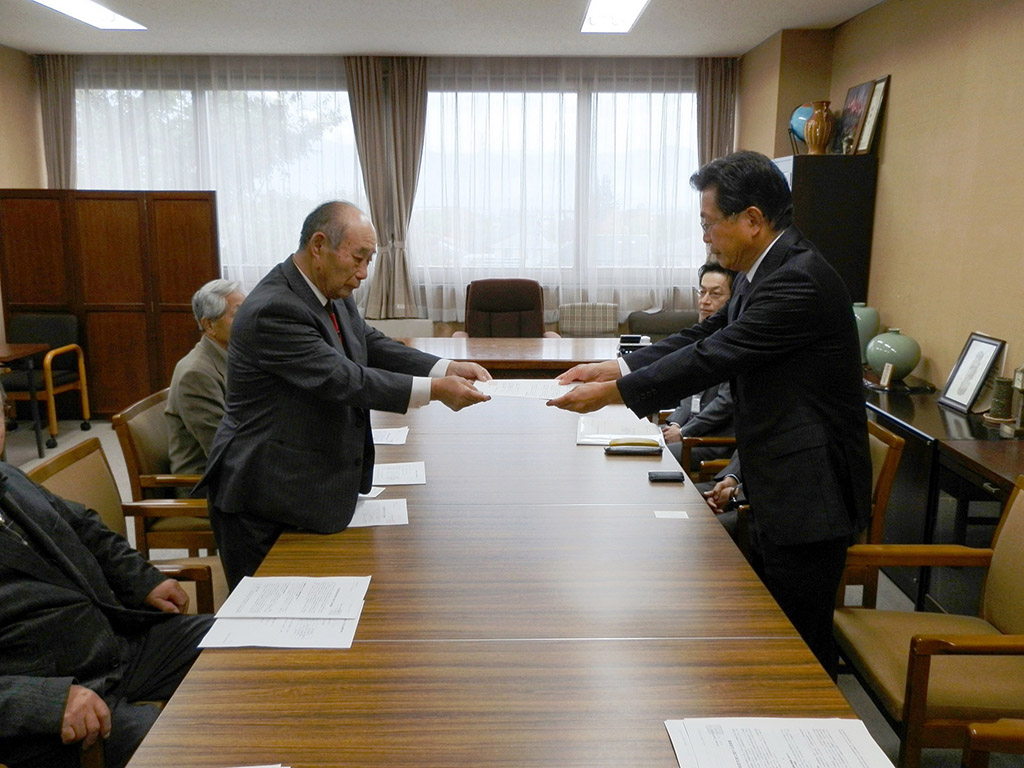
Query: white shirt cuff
[[420, 394], [623, 368]]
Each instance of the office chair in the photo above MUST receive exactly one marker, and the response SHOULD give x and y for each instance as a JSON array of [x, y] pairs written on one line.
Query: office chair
[[142, 431], [662, 323], [82, 473], [588, 319], [1004, 736], [506, 308], [934, 674], [62, 370]]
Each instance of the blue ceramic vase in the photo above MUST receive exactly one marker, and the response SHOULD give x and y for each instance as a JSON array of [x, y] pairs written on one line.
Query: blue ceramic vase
[[893, 347], [867, 326]]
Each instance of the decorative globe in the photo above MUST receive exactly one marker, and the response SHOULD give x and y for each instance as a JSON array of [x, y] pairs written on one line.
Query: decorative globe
[[893, 347], [798, 118]]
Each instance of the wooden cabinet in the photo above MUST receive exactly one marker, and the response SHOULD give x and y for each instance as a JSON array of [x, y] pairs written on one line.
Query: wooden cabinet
[[125, 263], [834, 206]]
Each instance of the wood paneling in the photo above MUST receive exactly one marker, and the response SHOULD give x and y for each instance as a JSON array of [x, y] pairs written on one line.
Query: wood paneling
[[119, 369], [34, 266], [125, 263]]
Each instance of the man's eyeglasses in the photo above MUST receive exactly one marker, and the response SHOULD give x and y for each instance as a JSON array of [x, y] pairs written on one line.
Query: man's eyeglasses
[[707, 225], [700, 293]]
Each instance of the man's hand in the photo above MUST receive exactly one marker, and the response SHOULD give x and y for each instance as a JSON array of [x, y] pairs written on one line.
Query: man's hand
[[606, 371], [169, 597], [468, 370], [671, 433], [456, 392], [588, 397], [721, 496], [86, 717]]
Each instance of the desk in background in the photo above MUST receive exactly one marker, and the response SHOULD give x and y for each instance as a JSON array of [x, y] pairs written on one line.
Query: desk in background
[[533, 613], [520, 358], [10, 353]]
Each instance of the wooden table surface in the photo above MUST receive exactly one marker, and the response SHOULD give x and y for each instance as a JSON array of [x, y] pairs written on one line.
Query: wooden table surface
[[534, 612], [529, 355]]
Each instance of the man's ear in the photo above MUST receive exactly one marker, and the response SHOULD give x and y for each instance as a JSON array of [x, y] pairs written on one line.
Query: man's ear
[[755, 218], [207, 324]]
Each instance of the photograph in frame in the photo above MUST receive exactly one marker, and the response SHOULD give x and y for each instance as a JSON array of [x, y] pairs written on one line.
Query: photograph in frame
[[851, 120], [866, 140], [971, 371]]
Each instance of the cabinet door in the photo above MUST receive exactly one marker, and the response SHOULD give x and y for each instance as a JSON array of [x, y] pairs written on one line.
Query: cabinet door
[[35, 270]]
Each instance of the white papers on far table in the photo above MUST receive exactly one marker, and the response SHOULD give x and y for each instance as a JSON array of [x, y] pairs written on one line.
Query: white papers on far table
[[380, 512], [765, 742], [390, 436], [613, 421], [541, 389], [296, 597], [400, 473]]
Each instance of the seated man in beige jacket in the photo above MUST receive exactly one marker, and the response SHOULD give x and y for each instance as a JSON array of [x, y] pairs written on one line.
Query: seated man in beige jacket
[[195, 402]]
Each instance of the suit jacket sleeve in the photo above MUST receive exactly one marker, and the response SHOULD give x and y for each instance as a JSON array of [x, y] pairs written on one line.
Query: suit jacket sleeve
[[201, 405], [32, 706], [715, 418]]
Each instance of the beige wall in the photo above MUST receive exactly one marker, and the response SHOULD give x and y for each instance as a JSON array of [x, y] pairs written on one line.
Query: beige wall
[[21, 131], [946, 258]]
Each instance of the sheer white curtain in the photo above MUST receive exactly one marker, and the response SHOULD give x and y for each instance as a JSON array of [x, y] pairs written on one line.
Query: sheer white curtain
[[573, 172], [272, 136]]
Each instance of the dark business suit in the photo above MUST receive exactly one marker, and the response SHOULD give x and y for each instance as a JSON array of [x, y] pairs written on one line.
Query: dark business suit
[[791, 353], [72, 611], [294, 448], [714, 419]]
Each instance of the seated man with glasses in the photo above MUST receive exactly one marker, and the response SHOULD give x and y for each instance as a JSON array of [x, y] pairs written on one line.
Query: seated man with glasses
[[710, 412]]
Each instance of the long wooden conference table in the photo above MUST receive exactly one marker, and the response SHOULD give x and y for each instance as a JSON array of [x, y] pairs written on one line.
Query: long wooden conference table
[[534, 612]]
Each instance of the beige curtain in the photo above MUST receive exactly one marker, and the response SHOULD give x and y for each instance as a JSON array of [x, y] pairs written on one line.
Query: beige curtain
[[388, 95], [717, 84], [56, 74]]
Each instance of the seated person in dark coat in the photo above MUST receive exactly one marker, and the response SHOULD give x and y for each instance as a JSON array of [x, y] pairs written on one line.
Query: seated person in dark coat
[[708, 413], [87, 626]]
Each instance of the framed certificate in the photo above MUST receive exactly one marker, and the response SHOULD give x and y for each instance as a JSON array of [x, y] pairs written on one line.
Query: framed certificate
[[971, 371]]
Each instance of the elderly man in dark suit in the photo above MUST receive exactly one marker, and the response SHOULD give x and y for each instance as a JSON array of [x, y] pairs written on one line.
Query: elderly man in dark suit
[[788, 343], [294, 448], [87, 626]]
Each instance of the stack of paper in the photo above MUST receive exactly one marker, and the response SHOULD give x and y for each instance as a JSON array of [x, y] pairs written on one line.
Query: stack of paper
[[614, 422], [767, 742], [290, 612]]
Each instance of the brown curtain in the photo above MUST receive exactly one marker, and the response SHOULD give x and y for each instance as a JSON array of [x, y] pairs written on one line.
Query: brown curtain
[[56, 74], [388, 95], [717, 84]]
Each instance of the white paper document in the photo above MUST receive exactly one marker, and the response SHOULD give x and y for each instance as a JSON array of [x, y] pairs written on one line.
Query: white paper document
[[390, 436], [380, 512], [296, 597], [375, 491], [671, 513], [400, 473], [772, 742], [281, 633], [540, 389], [613, 421]]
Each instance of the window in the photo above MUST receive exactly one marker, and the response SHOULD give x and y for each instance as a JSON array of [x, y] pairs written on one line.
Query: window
[[572, 172]]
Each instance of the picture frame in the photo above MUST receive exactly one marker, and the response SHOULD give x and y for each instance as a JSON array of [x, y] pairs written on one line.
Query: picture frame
[[972, 370], [851, 120], [872, 117]]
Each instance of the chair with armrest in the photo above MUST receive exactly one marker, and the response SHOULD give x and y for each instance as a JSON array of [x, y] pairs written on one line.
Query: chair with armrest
[[886, 450], [82, 473], [1003, 736], [62, 369], [142, 431], [662, 323], [588, 319], [932, 674], [506, 308]]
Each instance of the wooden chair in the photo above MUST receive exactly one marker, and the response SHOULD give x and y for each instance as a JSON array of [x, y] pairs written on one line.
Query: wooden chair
[[83, 474], [933, 675], [886, 450], [63, 368], [588, 319], [142, 431], [506, 308], [1004, 736]]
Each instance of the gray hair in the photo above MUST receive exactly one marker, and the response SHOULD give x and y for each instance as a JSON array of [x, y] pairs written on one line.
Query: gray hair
[[331, 218], [211, 301]]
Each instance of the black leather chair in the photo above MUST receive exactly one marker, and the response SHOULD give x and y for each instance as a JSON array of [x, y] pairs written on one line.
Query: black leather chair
[[61, 369], [662, 323]]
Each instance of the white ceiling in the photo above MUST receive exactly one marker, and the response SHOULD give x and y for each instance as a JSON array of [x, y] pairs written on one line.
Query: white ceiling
[[417, 27]]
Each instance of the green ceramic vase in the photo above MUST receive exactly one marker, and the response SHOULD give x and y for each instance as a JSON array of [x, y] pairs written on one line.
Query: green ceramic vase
[[893, 347], [867, 326]]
